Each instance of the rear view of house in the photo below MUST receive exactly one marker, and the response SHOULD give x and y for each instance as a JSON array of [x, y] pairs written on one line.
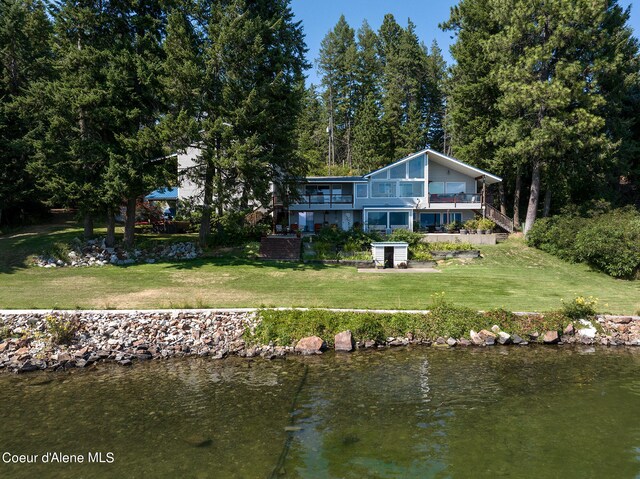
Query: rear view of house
[[426, 190]]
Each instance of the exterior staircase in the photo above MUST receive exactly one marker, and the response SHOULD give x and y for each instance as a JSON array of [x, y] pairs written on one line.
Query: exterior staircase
[[503, 221], [281, 248]]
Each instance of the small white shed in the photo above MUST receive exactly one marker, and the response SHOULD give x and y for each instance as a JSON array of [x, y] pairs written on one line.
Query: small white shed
[[389, 254]]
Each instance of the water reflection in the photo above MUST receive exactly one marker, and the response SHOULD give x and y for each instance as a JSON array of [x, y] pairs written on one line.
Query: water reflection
[[417, 412]]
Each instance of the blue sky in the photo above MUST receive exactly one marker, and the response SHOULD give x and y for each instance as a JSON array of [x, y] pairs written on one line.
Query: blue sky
[[319, 16]]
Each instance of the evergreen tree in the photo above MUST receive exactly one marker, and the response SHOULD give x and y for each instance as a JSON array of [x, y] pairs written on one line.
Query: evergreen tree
[[435, 101], [311, 133], [69, 114], [251, 89], [370, 137], [24, 58], [547, 67], [338, 64]]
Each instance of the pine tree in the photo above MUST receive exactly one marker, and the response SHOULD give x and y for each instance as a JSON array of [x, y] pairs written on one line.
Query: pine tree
[[435, 102], [24, 58], [69, 113], [251, 90], [370, 137], [311, 133], [338, 63]]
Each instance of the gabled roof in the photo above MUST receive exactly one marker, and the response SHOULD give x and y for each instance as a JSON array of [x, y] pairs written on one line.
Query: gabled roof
[[335, 179], [447, 161]]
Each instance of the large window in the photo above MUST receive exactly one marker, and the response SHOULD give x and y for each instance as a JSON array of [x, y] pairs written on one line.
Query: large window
[[436, 188], [398, 219], [456, 186], [377, 218], [399, 171], [429, 219], [416, 167], [383, 189], [361, 191], [409, 189], [383, 175], [453, 217]]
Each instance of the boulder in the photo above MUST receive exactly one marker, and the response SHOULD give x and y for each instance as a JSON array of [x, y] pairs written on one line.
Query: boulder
[[484, 334], [464, 342], [569, 330], [516, 339], [344, 341], [495, 328], [504, 338], [452, 342], [476, 338], [310, 345], [551, 337]]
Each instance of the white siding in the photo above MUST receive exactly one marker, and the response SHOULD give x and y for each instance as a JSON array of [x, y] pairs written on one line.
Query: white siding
[[441, 173]]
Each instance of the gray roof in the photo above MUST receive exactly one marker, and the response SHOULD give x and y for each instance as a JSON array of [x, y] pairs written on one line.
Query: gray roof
[[335, 179]]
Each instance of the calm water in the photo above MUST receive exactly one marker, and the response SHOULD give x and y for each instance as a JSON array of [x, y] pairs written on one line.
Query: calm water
[[406, 413]]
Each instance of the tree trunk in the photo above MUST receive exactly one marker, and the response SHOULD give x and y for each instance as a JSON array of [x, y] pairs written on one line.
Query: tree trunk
[[205, 221], [534, 195], [130, 223], [503, 199], [516, 200], [547, 203], [110, 240], [88, 226]]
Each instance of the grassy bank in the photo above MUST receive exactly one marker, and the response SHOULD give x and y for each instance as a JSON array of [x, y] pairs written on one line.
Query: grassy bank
[[284, 328], [510, 276]]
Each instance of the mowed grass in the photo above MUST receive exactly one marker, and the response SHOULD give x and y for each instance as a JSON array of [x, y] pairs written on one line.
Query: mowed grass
[[510, 275]]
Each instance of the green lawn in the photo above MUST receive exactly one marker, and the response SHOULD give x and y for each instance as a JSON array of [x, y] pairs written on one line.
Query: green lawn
[[510, 275]]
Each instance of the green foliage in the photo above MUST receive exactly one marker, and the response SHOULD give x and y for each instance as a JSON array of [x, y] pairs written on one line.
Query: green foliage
[[580, 307], [607, 241], [420, 252], [285, 327], [232, 229], [405, 235], [330, 241], [61, 329], [450, 246], [58, 250], [611, 243], [485, 224], [5, 332]]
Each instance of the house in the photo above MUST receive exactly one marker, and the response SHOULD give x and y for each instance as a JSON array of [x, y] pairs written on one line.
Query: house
[[425, 190]]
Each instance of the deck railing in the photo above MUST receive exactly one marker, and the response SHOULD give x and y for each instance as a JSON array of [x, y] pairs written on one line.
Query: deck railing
[[330, 200], [455, 198]]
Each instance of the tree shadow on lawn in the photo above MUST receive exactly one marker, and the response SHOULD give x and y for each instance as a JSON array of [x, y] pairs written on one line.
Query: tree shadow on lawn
[[235, 261], [17, 247]]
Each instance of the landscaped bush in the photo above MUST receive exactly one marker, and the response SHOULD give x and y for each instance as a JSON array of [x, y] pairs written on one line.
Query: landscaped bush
[[232, 229], [333, 243], [405, 235], [420, 252], [608, 241], [580, 307], [450, 246]]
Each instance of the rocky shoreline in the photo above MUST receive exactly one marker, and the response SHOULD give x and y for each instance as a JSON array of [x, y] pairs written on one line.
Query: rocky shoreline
[[30, 340]]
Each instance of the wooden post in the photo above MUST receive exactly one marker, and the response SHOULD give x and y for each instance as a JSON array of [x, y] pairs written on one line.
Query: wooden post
[[484, 197]]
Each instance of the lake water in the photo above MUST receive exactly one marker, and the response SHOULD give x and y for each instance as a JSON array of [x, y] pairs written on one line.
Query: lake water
[[538, 412]]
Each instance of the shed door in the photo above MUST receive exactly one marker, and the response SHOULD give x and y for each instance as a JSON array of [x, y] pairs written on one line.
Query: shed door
[[388, 256]]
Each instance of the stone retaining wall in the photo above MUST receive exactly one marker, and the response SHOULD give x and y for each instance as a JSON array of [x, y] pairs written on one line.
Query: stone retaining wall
[[127, 336]]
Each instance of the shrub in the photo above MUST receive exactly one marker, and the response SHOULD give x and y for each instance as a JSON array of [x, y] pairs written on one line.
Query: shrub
[[62, 330], [580, 308], [611, 243], [471, 224], [608, 241], [232, 229], [420, 252], [405, 235], [58, 250], [486, 224], [450, 246], [5, 332]]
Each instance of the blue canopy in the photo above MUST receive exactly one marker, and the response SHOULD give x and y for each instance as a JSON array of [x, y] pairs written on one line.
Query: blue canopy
[[163, 194]]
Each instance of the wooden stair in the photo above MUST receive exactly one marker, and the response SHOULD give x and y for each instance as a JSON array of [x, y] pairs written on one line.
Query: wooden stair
[[503, 221], [281, 248]]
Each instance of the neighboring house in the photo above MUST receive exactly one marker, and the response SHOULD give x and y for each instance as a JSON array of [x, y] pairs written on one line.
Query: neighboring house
[[425, 190]]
